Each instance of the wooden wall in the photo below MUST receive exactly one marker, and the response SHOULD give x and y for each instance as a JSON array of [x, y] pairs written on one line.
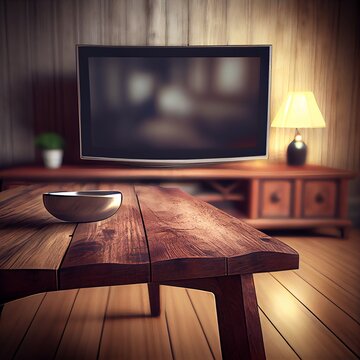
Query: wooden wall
[[316, 46]]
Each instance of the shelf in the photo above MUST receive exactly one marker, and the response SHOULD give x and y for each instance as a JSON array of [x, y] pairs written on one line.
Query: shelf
[[267, 195], [296, 223], [231, 209], [209, 197]]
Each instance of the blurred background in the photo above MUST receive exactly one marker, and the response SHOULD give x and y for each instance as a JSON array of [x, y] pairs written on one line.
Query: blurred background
[[316, 47]]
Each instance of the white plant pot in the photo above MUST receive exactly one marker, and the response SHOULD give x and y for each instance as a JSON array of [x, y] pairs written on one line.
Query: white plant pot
[[53, 158]]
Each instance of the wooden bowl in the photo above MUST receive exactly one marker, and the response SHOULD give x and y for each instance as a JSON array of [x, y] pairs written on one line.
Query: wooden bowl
[[82, 206]]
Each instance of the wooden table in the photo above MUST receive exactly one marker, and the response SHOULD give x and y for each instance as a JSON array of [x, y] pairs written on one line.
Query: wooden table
[[159, 236]]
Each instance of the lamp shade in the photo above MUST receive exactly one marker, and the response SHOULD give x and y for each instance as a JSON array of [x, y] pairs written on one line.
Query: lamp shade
[[299, 110]]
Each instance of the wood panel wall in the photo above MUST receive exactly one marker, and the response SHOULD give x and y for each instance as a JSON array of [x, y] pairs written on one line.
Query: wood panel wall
[[316, 46]]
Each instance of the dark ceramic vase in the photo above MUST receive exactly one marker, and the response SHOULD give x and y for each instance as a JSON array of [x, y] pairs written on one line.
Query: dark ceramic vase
[[296, 153]]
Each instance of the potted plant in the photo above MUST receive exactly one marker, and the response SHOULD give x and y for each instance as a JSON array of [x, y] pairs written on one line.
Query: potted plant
[[52, 145]]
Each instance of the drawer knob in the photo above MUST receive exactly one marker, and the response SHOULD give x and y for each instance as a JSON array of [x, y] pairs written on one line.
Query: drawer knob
[[319, 198], [274, 198]]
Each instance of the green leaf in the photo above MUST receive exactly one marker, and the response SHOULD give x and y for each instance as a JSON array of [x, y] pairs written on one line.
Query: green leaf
[[49, 141]]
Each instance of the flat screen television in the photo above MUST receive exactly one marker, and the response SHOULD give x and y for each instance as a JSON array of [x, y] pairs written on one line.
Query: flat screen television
[[173, 105]]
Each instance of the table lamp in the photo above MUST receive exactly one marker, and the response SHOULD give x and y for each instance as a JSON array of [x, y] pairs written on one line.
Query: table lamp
[[299, 110]]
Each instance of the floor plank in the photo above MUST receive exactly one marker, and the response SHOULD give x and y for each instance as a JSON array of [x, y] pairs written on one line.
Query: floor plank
[[335, 319], [203, 302], [81, 338], [327, 263], [46, 330], [129, 331], [186, 334], [204, 306], [309, 338], [15, 320], [330, 289], [276, 348]]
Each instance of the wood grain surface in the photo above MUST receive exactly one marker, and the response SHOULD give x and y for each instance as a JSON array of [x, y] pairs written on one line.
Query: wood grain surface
[[185, 332], [146, 338], [315, 47], [237, 314], [309, 337], [16, 318], [81, 337], [191, 239], [320, 199], [187, 327], [45, 346], [109, 252], [154, 299], [276, 199], [265, 194], [238, 318], [329, 312], [203, 303], [331, 260], [337, 294], [158, 234], [32, 245], [297, 223]]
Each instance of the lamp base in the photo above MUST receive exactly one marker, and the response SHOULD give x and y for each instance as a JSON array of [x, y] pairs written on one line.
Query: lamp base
[[296, 153]]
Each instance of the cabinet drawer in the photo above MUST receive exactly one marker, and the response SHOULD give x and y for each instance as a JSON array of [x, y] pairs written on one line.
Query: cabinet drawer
[[320, 199], [276, 198]]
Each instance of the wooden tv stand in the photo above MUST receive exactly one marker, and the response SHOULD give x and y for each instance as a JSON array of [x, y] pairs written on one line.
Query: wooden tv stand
[[267, 195]]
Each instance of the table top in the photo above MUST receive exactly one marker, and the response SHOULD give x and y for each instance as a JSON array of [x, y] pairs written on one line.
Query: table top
[[157, 235]]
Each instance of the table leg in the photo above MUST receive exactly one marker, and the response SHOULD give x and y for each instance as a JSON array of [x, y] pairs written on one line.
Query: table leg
[[238, 319], [154, 298], [345, 231], [237, 313]]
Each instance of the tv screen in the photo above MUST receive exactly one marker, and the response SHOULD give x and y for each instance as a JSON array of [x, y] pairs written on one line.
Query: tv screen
[[173, 105]]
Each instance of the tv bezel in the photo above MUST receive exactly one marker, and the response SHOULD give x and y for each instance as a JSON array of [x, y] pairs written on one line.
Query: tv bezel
[[84, 52]]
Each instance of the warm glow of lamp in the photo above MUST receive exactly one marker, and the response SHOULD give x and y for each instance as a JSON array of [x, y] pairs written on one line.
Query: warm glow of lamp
[[299, 110]]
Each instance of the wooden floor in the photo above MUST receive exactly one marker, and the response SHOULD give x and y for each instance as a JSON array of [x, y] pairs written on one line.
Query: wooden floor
[[311, 313]]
